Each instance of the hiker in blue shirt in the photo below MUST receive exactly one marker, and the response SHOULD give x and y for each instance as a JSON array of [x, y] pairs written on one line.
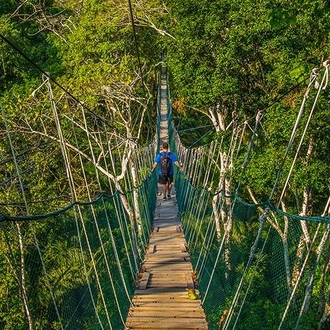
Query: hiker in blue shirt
[[165, 159]]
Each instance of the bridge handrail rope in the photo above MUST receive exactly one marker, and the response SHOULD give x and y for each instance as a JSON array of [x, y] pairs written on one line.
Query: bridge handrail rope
[[75, 205], [25, 298], [110, 231], [133, 243], [191, 155], [313, 80], [320, 86], [81, 218], [201, 186], [122, 224]]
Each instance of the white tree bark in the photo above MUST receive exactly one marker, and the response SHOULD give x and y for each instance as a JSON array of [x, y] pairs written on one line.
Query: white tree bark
[[22, 279]]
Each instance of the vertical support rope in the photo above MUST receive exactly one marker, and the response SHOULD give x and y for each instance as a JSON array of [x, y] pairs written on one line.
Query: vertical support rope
[[262, 221], [119, 217], [293, 292], [311, 279], [108, 222], [23, 292], [215, 266], [321, 87], [294, 130], [73, 192]]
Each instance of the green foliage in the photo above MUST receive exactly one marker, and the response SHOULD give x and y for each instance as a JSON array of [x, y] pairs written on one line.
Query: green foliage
[[243, 57], [227, 55]]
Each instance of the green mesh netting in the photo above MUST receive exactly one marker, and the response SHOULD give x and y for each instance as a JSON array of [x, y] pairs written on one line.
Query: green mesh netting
[[75, 268], [275, 282]]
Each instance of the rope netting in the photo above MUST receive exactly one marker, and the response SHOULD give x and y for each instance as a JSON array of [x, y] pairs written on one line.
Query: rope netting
[[68, 264], [74, 269], [258, 266]]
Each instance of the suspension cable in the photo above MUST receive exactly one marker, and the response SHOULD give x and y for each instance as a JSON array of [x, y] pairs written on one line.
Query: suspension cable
[[135, 39], [48, 76], [262, 220], [215, 265], [25, 298], [294, 130], [321, 86], [108, 222], [78, 208]]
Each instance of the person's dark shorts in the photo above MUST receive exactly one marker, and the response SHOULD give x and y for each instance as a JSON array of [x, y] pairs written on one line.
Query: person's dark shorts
[[163, 178]]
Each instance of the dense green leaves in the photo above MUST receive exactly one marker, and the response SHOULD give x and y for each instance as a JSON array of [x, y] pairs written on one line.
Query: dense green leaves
[[226, 60], [244, 55]]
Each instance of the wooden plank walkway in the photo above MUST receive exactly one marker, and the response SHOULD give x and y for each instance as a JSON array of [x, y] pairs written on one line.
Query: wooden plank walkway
[[163, 130], [163, 298]]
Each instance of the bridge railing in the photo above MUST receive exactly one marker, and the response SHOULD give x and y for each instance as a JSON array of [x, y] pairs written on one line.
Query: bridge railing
[[256, 266], [70, 255], [75, 268]]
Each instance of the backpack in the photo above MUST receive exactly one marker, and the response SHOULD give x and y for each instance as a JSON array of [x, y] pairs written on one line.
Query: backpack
[[165, 163]]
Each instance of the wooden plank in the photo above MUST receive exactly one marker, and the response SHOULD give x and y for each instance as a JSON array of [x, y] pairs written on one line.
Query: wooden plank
[[151, 327], [180, 321], [169, 255], [190, 281], [142, 310], [169, 219], [144, 281], [163, 268], [166, 243], [152, 248], [169, 301], [166, 238], [168, 260], [164, 323], [157, 284], [174, 251], [162, 306], [183, 248], [153, 297], [191, 313], [161, 300], [165, 233], [169, 275], [169, 279], [164, 292], [179, 282], [168, 246]]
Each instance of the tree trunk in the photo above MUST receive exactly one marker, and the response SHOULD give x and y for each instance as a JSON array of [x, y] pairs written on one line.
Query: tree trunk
[[215, 201], [22, 279], [137, 214]]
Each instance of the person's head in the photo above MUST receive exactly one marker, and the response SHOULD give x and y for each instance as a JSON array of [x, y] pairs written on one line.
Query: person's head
[[165, 146]]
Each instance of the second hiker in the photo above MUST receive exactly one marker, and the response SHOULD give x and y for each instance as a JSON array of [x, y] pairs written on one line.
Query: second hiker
[[165, 159]]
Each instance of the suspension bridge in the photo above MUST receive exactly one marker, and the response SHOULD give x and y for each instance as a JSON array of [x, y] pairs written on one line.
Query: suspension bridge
[[204, 259], [166, 297]]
